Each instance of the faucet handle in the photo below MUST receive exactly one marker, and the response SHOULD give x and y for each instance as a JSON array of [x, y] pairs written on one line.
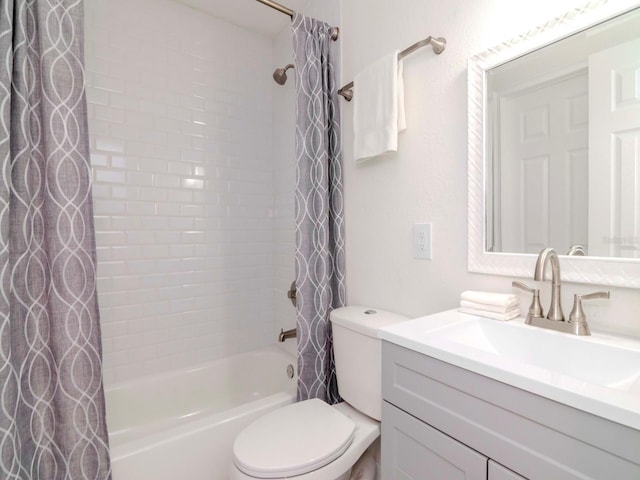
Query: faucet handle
[[535, 309], [577, 317], [589, 296], [576, 250], [525, 287]]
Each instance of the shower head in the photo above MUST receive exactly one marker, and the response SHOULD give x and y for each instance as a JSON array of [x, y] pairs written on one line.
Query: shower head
[[280, 75]]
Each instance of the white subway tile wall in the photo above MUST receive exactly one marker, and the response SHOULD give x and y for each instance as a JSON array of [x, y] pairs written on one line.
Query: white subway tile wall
[[180, 120], [284, 188]]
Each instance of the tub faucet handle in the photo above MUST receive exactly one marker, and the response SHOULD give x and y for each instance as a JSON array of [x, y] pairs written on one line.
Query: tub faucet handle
[[292, 293], [535, 309]]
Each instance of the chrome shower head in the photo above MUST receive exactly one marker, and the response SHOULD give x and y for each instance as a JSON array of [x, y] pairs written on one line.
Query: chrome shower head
[[280, 75]]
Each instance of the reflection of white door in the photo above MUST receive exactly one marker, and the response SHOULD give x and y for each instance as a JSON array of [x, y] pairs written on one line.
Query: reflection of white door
[[614, 151], [544, 172]]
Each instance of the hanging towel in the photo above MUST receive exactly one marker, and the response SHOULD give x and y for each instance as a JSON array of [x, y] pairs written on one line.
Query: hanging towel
[[506, 316], [378, 108], [506, 301]]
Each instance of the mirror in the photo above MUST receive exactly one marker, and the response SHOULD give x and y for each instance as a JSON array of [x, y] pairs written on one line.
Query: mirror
[[554, 148], [561, 120]]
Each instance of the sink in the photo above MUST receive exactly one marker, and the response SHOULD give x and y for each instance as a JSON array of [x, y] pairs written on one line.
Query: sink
[[599, 374], [598, 362]]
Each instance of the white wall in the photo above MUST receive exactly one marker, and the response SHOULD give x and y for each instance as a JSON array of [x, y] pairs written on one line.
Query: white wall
[[180, 109], [192, 151], [426, 181]]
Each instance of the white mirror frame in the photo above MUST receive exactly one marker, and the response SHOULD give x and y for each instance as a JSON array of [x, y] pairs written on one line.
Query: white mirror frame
[[623, 272]]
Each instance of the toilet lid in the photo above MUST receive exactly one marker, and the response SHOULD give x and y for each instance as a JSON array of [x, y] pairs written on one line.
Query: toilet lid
[[293, 440]]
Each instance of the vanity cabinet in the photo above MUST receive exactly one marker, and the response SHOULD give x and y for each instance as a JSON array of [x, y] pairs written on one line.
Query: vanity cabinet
[[498, 472], [414, 450], [440, 421]]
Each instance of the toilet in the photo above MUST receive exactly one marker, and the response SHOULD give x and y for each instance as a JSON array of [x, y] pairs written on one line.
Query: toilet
[[311, 440]]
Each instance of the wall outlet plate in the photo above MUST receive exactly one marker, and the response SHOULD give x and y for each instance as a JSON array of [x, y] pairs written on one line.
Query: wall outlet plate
[[422, 240]]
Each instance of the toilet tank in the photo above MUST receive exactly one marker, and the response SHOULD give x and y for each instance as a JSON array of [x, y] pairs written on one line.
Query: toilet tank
[[358, 355]]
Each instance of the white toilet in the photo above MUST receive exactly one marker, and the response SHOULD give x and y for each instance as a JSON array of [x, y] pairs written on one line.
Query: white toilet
[[311, 440]]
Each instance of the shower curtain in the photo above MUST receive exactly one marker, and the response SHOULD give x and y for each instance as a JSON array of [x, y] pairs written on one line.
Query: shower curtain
[[318, 208], [52, 415]]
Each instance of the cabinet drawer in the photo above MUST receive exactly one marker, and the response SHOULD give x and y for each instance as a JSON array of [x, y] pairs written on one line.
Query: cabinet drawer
[[413, 450], [535, 436]]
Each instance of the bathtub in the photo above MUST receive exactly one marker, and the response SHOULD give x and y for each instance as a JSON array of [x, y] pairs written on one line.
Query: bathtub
[[181, 425]]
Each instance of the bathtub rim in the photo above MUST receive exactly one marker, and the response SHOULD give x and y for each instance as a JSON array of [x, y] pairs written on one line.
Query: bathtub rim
[[147, 442]]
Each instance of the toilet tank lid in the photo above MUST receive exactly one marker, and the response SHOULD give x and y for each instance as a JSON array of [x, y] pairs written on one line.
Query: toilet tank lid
[[365, 320]]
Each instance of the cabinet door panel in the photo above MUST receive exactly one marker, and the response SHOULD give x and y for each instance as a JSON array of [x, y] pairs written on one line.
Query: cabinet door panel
[[498, 472], [412, 450]]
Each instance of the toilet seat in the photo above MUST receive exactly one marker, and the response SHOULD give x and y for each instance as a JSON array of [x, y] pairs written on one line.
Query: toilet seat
[[293, 440]]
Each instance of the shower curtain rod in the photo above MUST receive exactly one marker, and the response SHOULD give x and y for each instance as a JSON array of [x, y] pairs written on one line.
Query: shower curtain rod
[[335, 31], [277, 6], [438, 45]]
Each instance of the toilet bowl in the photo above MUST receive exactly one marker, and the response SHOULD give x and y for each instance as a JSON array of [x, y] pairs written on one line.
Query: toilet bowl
[[311, 440]]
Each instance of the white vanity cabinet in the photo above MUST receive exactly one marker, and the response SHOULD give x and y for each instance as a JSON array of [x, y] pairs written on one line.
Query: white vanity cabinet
[[440, 421]]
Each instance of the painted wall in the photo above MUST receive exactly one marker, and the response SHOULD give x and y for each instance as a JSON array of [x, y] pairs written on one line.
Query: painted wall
[[426, 181], [180, 108]]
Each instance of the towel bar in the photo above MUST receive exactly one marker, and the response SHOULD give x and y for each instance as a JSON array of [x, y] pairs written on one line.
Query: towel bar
[[438, 45]]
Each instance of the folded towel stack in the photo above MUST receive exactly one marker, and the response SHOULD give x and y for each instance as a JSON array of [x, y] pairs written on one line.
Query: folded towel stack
[[498, 306]]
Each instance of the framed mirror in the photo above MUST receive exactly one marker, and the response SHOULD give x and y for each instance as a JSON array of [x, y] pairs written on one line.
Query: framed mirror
[[554, 148]]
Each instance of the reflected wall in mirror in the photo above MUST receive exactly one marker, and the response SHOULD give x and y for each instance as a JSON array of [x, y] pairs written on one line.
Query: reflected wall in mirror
[[554, 147]]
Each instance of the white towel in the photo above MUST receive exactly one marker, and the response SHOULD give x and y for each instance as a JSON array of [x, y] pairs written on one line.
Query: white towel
[[378, 108], [504, 317], [506, 301], [483, 306]]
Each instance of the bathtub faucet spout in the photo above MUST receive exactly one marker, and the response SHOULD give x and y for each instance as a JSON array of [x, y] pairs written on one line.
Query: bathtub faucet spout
[[284, 334]]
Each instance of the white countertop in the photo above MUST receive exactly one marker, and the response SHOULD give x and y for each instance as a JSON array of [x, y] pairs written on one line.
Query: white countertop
[[607, 386]]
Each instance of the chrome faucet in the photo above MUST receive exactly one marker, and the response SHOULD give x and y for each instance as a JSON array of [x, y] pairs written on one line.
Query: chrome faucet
[[550, 255], [285, 334], [577, 323]]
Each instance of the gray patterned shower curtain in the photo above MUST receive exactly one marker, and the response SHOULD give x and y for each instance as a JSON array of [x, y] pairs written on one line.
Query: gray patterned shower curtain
[[318, 208], [52, 414]]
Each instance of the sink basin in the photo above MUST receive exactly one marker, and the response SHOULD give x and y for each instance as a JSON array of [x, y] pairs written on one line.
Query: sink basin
[[594, 361], [599, 374]]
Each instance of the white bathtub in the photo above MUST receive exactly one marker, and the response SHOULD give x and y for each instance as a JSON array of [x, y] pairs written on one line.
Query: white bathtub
[[181, 425]]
